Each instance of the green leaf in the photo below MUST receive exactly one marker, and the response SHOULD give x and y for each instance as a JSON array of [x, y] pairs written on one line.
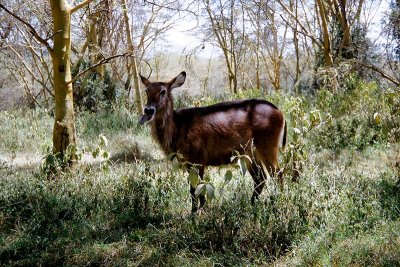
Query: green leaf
[[176, 166], [171, 156], [105, 167], [210, 191], [228, 176], [200, 189], [193, 177], [377, 118], [103, 141], [242, 164], [96, 152]]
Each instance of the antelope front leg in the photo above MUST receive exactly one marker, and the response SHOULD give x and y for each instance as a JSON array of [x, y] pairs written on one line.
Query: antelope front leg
[[202, 197], [194, 199]]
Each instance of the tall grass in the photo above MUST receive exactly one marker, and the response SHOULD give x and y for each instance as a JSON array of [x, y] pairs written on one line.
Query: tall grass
[[25, 131]]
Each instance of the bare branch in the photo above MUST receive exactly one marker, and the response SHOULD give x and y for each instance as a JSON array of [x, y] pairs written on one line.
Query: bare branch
[[31, 29], [51, 36], [79, 6], [101, 62], [304, 29], [381, 72], [168, 7]]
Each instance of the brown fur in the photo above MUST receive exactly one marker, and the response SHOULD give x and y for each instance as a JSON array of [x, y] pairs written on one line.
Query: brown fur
[[210, 135]]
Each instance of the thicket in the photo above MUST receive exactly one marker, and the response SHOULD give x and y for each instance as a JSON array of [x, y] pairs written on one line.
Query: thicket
[[343, 210]]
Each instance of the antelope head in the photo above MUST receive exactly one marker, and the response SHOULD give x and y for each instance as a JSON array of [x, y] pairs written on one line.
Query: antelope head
[[159, 99]]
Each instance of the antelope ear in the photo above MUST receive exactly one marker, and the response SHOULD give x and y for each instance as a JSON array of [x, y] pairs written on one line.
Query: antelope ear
[[144, 80], [178, 80]]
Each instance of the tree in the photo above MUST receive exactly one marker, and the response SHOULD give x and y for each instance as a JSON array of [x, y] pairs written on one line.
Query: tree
[[136, 35], [97, 23], [223, 17], [23, 57], [343, 13], [64, 134], [273, 43], [132, 66], [392, 30]]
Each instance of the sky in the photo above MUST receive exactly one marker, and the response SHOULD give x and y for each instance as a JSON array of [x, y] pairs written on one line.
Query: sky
[[182, 36]]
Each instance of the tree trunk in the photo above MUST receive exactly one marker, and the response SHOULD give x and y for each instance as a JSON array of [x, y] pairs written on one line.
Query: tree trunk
[[64, 134], [95, 37], [132, 65], [258, 82], [294, 7], [98, 23], [325, 31], [226, 44]]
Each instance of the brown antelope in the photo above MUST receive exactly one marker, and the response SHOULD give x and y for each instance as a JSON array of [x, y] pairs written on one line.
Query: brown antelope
[[209, 136]]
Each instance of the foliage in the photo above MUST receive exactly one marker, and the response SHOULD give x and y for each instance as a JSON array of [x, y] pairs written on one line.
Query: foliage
[[92, 91], [358, 118]]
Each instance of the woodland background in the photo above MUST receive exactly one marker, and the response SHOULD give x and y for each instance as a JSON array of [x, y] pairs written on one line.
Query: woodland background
[[96, 190]]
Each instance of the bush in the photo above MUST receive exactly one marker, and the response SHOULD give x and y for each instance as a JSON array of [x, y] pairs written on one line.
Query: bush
[[357, 118], [91, 91]]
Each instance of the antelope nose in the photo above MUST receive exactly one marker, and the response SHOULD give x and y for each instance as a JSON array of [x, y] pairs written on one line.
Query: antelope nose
[[149, 110]]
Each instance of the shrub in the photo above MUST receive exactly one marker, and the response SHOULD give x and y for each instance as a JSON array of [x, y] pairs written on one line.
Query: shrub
[[91, 91], [357, 118]]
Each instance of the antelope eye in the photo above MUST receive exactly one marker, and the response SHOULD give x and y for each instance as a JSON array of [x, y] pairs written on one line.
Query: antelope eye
[[162, 93]]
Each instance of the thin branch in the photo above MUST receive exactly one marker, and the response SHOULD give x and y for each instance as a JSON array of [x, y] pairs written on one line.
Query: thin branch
[[382, 73], [305, 31], [168, 7], [51, 36], [101, 62], [79, 6], [31, 29]]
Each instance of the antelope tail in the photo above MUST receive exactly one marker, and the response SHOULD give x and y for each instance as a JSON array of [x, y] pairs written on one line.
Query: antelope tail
[[282, 135]]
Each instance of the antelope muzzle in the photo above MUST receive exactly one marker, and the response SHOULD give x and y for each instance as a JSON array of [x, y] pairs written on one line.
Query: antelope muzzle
[[148, 113]]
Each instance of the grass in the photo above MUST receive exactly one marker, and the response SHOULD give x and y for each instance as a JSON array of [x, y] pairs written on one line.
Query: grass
[[344, 211]]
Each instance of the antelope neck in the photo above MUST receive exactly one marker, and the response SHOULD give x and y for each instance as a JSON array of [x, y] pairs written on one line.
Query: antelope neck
[[163, 129]]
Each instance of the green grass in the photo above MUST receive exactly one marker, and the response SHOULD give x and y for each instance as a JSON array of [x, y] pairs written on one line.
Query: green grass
[[139, 213], [343, 211], [25, 131]]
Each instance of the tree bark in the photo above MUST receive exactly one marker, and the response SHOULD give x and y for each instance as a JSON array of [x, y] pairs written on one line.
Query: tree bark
[[325, 32], [132, 65], [294, 9], [64, 134], [98, 24]]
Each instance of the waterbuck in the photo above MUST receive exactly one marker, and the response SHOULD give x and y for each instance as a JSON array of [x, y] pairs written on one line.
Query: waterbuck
[[210, 136]]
